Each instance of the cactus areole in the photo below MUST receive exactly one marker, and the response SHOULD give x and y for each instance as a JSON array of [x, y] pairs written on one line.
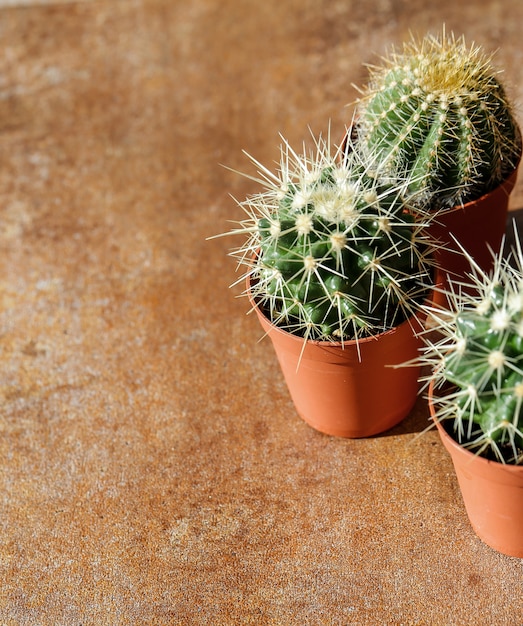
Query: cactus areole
[[333, 253], [437, 111]]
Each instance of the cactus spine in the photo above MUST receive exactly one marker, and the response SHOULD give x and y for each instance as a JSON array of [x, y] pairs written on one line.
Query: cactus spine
[[480, 354], [333, 254], [438, 111]]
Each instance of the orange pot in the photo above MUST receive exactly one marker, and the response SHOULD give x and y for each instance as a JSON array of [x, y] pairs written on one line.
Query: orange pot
[[340, 391], [479, 227], [492, 493]]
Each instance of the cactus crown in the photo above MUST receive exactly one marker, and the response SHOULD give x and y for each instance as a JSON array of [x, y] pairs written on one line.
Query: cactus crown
[[478, 361], [332, 251], [437, 110]]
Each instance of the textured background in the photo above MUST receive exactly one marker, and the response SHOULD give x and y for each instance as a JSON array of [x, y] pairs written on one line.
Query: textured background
[[152, 467]]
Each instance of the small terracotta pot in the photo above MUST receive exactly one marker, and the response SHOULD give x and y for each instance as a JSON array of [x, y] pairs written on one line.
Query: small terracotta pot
[[340, 391], [492, 493], [479, 227]]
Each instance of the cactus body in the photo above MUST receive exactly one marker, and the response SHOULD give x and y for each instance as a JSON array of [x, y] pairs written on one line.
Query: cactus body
[[438, 111], [480, 354], [333, 254]]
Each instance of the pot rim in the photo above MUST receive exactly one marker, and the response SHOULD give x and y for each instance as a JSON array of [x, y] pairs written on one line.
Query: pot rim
[[510, 180], [415, 320], [450, 442]]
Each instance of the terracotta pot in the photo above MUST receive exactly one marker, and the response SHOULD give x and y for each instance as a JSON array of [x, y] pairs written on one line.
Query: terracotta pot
[[340, 391], [479, 226], [492, 493]]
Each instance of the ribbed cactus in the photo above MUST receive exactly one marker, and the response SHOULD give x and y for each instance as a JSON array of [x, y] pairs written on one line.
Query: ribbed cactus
[[479, 353], [332, 254], [436, 110]]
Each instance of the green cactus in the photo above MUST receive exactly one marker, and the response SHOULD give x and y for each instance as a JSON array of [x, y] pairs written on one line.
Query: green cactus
[[477, 360], [333, 254], [437, 111]]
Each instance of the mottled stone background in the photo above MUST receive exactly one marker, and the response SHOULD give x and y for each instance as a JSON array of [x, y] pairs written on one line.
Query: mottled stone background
[[153, 469]]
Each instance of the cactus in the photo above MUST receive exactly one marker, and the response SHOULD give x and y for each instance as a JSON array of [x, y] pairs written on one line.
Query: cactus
[[332, 254], [479, 354], [437, 111]]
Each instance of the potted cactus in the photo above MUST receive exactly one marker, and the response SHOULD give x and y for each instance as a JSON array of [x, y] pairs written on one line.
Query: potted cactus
[[476, 395], [336, 266], [437, 111]]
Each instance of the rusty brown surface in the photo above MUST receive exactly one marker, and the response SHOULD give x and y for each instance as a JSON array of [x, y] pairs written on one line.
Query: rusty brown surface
[[152, 467]]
